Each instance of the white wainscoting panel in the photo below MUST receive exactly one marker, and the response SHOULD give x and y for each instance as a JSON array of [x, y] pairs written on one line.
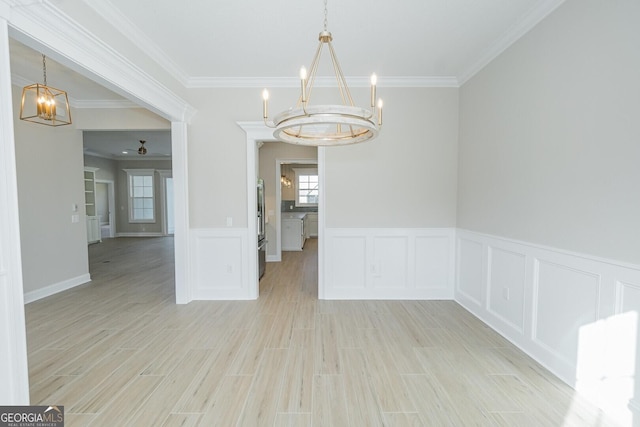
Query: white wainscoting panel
[[381, 263], [470, 269], [219, 270], [576, 314], [348, 258], [506, 286], [564, 300]]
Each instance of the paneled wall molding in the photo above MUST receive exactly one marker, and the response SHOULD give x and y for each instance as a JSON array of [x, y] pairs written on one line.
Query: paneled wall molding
[[576, 314], [218, 264], [382, 263]]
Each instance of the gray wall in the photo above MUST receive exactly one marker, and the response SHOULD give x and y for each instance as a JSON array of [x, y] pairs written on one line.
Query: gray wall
[[50, 182], [549, 135], [405, 178]]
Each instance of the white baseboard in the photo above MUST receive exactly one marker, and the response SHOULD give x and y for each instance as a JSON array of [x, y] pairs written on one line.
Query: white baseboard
[[140, 234], [55, 288]]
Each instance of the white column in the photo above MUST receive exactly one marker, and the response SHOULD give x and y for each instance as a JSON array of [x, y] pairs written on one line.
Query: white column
[[14, 375], [181, 211]]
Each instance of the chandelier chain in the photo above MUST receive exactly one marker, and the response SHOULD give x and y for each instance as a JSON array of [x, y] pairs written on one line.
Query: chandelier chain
[[44, 70], [325, 15]]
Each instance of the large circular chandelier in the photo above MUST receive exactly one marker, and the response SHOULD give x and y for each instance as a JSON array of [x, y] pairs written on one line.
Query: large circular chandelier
[[325, 125]]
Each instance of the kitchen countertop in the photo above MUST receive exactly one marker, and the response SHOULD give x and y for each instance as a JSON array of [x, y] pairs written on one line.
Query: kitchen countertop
[[294, 215]]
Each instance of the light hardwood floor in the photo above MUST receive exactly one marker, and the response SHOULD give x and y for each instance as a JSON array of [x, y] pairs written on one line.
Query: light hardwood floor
[[120, 352]]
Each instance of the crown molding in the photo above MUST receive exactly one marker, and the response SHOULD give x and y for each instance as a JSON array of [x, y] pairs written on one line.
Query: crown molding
[[130, 30], [102, 103], [77, 47], [291, 82], [513, 34]]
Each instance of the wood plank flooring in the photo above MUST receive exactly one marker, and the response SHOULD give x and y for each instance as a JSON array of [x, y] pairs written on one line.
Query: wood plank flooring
[[120, 352]]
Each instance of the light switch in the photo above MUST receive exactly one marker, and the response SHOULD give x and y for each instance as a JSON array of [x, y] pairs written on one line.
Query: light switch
[[229, 221], [75, 218]]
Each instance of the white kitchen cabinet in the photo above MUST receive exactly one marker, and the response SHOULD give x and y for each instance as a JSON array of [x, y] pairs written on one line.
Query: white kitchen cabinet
[[293, 232], [311, 224]]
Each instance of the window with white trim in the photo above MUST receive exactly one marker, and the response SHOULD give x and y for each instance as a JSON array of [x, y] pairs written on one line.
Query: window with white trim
[[141, 195], [307, 188]]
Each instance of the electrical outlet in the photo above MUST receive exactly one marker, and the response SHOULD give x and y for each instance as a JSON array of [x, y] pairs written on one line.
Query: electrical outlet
[[229, 269], [505, 294]]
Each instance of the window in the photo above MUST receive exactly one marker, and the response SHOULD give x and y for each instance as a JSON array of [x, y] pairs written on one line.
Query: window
[[307, 190], [141, 195]]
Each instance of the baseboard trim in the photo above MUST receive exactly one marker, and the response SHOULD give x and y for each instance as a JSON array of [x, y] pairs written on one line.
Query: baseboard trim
[[56, 288], [140, 234]]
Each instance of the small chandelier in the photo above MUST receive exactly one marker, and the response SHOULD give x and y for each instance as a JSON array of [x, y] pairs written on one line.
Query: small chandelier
[[325, 125], [45, 105], [142, 150], [286, 182]]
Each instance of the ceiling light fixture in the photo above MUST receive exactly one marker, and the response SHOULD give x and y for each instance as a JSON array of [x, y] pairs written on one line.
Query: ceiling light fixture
[[325, 125], [142, 150], [45, 105]]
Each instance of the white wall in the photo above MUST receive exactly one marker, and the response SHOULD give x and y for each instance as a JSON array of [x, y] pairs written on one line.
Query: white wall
[[549, 135], [407, 177], [549, 251], [50, 182]]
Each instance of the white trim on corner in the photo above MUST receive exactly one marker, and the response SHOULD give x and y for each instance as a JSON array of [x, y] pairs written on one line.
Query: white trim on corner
[[14, 371], [515, 32], [255, 132], [112, 14], [56, 287]]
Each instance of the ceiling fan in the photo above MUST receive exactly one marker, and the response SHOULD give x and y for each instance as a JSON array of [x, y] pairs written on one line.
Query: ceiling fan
[[142, 150]]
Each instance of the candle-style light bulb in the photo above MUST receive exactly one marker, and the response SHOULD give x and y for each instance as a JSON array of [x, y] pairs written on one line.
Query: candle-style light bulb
[[379, 112], [374, 81], [303, 82], [265, 100]]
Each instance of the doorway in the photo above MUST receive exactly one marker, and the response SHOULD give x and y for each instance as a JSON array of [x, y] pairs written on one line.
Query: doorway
[[105, 208], [256, 132]]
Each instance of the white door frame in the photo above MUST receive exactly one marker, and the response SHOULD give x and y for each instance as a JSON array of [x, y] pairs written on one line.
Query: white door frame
[[164, 174], [258, 132], [14, 372], [111, 195]]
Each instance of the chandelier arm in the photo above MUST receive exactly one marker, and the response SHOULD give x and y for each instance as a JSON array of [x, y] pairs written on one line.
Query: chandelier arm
[[266, 123], [340, 75], [314, 70]]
